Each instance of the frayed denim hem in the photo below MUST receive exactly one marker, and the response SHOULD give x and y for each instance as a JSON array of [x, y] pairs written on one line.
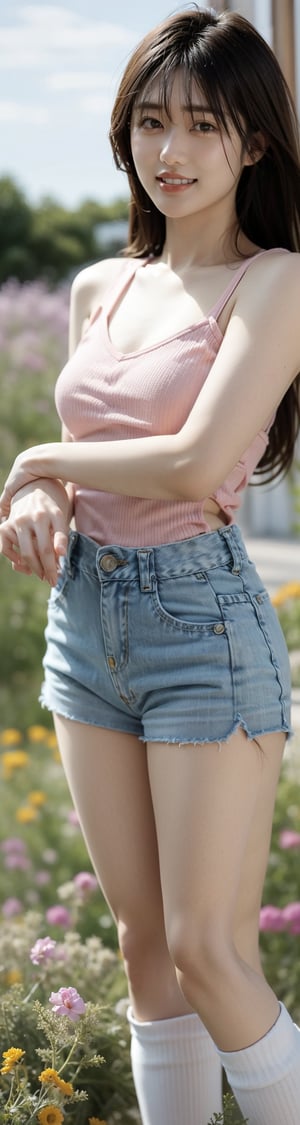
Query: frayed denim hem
[[239, 724]]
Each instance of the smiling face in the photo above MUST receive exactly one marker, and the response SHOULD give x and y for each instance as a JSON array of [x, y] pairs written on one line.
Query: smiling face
[[183, 156]]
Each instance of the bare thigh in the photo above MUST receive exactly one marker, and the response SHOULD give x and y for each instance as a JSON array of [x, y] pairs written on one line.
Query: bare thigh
[[107, 774], [213, 810]]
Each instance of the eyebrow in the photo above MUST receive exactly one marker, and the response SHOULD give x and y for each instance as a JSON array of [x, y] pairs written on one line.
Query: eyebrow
[[188, 108]]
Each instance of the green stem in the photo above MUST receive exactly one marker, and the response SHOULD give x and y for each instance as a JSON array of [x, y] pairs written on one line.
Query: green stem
[[34, 988], [69, 1056]]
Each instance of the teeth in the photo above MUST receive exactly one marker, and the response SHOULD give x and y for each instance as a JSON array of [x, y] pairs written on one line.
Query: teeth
[[173, 181]]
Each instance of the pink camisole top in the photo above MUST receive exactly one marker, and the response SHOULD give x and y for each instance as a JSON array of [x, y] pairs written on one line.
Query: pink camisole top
[[103, 395]]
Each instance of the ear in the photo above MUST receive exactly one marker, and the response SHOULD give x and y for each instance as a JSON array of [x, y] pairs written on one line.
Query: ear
[[256, 148]]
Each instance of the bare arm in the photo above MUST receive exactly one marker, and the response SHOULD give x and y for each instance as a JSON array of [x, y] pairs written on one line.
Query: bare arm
[[256, 363]]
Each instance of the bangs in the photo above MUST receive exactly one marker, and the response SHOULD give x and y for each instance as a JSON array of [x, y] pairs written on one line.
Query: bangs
[[200, 78]]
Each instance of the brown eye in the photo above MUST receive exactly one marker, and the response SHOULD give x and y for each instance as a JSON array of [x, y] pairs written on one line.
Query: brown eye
[[149, 123]]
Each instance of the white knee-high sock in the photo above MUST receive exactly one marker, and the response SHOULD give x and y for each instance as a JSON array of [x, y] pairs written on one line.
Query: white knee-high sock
[[176, 1070], [265, 1078]]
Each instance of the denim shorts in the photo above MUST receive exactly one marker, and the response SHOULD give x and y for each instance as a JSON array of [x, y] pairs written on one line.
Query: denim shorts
[[176, 643]]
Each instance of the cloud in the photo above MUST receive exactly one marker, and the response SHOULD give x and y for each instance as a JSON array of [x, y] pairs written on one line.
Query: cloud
[[50, 29], [78, 80], [28, 114], [98, 104]]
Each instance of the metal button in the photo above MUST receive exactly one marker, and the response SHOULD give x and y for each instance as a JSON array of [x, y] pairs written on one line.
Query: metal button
[[219, 628], [109, 563], [259, 598], [111, 661]]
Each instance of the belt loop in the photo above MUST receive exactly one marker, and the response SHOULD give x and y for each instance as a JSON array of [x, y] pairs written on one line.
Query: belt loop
[[145, 569], [233, 550]]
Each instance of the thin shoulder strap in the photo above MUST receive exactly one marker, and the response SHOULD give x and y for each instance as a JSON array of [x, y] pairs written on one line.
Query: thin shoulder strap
[[128, 268], [238, 274]]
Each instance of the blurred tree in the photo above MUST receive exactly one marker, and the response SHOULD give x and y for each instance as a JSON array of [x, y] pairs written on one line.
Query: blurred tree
[[49, 241], [15, 232]]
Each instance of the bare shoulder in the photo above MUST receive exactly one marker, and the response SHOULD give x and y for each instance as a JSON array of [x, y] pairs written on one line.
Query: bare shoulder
[[87, 292], [91, 282], [271, 276]]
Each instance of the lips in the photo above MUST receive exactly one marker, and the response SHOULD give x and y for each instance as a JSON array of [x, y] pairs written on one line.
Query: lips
[[176, 181]]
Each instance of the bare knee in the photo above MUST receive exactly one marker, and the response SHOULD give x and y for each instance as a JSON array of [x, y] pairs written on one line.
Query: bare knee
[[202, 953], [140, 946]]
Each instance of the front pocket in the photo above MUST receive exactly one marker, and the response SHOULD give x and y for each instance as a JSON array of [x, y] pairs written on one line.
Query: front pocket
[[188, 603]]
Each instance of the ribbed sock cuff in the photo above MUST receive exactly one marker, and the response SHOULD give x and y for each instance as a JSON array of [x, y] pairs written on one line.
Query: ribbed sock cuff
[[267, 1061], [189, 1025]]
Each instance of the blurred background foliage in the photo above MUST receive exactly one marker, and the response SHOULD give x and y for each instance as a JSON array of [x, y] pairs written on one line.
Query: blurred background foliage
[[42, 248], [50, 242], [33, 348]]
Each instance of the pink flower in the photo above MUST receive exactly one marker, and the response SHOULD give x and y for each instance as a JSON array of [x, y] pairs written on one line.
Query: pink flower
[[58, 915], [67, 1002], [42, 878], [291, 915], [13, 844], [289, 839], [16, 861], [12, 906], [85, 882], [73, 818], [42, 950], [271, 918]]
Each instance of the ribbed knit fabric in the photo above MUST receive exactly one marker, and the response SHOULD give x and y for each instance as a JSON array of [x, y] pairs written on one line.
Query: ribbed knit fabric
[[103, 394], [265, 1078], [176, 1070]]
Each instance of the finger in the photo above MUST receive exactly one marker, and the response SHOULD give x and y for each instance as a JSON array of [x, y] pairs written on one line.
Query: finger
[[21, 567], [28, 550], [10, 548], [5, 503], [60, 542], [8, 542], [45, 547]]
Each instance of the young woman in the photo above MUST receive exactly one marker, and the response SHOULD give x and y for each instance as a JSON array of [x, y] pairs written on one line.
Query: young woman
[[166, 668]]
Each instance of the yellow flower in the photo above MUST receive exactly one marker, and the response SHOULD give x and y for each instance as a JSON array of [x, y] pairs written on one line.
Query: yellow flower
[[13, 976], [13, 760], [51, 740], [290, 590], [11, 1058], [96, 1121], [37, 797], [25, 814], [10, 736], [37, 734], [50, 1115], [51, 1078]]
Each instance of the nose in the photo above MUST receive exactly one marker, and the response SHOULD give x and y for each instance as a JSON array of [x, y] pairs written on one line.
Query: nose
[[173, 148]]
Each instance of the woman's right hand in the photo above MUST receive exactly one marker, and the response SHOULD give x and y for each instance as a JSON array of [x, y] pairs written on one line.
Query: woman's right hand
[[35, 534]]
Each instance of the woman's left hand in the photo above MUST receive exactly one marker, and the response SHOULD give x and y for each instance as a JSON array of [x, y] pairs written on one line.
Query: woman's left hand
[[21, 473]]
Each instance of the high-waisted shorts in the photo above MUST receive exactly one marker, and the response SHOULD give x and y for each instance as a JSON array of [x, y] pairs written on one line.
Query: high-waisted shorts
[[176, 643]]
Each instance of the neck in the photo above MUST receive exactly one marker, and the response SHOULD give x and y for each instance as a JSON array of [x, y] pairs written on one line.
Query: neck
[[193, 241]]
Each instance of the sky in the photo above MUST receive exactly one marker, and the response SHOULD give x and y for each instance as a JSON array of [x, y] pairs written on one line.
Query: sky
[[60, 67]]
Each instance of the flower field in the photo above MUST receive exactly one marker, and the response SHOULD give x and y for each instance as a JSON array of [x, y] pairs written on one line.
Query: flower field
[[62, 985], [33, 349], [64, 1037]]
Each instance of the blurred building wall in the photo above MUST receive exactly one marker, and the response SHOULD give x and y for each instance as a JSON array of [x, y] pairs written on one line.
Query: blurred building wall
[[270, 510]]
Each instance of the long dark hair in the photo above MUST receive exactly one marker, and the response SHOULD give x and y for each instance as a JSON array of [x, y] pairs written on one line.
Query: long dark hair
[[243, 85]]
